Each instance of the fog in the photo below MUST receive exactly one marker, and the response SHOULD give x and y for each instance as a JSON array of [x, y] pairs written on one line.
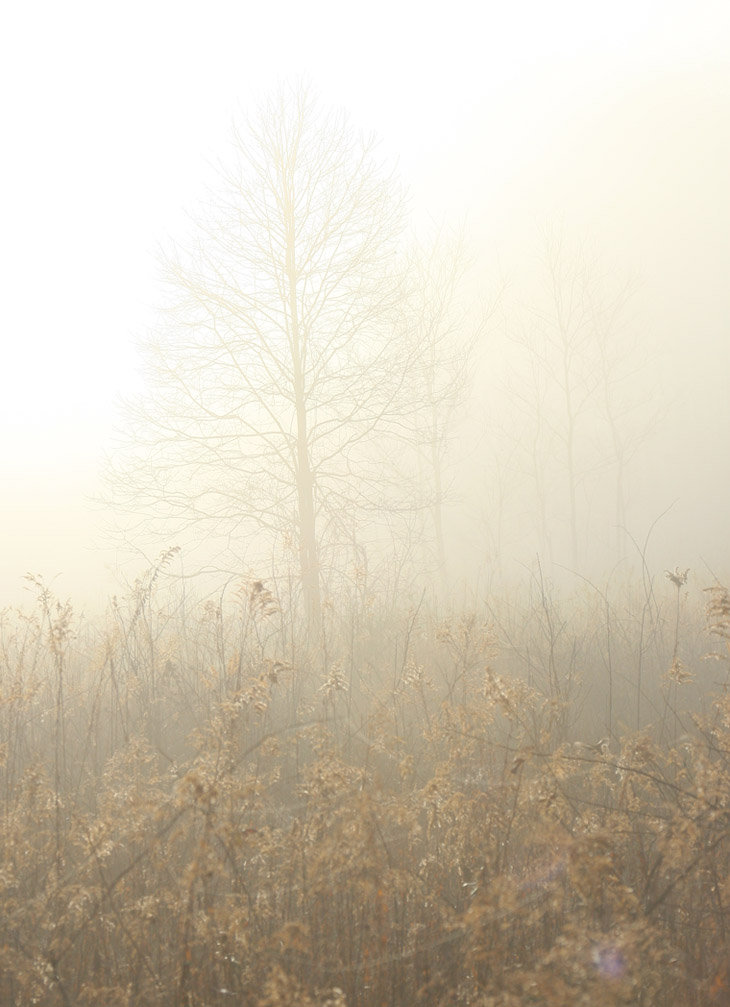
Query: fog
[[610, 129], [364, 567]]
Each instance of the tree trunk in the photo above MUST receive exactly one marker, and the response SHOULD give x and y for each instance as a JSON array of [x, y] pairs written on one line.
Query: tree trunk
[[308, 551]]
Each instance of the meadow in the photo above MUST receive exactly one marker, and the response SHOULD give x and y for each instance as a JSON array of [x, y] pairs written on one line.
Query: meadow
[[527, 803]]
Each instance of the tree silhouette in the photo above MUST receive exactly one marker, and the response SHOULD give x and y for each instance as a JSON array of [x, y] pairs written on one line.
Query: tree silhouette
[[278, 370]]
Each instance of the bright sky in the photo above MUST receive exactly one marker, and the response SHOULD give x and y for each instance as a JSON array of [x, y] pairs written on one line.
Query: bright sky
[[111, 111]]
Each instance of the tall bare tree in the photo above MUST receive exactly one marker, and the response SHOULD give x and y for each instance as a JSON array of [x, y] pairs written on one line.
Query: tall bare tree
[[577, 390], [278, 362], [446, 332]]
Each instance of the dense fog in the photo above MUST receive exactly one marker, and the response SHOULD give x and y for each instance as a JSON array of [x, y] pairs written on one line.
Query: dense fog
[[364, 572], [607, 137]]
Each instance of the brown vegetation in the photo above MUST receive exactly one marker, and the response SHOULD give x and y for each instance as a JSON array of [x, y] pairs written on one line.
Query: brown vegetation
[[194, 813]]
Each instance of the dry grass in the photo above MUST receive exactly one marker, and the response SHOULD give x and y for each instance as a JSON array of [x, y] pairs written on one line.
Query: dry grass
[[194, 813]]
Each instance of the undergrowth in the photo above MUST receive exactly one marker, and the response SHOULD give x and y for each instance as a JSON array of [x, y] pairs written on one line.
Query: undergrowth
[[424, 811]]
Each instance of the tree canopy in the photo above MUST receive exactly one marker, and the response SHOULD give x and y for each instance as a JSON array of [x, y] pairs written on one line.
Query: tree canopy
[[279, 368]]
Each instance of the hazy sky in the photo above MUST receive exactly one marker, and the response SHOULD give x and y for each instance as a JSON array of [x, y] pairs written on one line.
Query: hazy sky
[[111, 116]]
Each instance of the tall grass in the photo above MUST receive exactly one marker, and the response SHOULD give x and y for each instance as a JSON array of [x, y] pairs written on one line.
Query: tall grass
[[430, 809]]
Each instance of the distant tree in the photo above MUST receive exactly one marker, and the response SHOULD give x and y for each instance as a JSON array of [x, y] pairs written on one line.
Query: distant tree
[[581, 414], [279, 367], [446, 334]]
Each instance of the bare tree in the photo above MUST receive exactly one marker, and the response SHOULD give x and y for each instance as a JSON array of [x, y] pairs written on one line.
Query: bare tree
[[279, 363], [577, 392], [446, 335], [562, 345]]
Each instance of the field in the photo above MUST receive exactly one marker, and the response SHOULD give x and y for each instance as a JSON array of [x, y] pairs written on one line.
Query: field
[[524, 804]]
